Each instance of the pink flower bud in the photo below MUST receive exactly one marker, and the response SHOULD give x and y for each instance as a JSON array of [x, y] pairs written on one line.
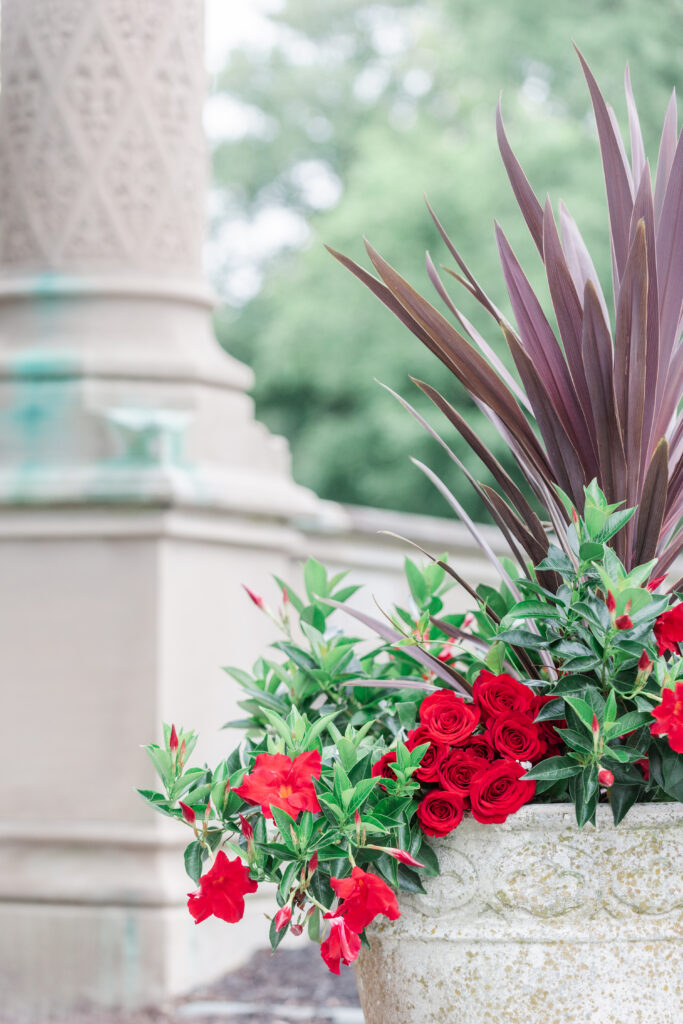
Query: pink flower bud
[[403, 857], [611, 603], [596, 725], [313, 863], [285, 600], [296, 929], [258, 601], [653, 584], [173, 740], [644, 663], [575, 516], [623, 622], [247, 830], [188, 813], [356, 817], [181, 755], [283, 917], [468, 621], [605, 777]]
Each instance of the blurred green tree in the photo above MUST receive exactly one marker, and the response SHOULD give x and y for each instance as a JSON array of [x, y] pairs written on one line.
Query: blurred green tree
[[362, 107]]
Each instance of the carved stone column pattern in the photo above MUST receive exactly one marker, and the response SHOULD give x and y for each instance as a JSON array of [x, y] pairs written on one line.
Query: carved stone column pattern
[[103, 161]]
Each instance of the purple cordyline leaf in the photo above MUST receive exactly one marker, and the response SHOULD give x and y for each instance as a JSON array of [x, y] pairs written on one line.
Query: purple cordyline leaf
[[532, 211], [676, 441], [459, 634], [597, 357], [567, 306], [445, 566], [671, 552], [665, 158], [643, 209], [630, 350], [500, 475], [392, 636], [394, 684], [473, 529], [580, 264], [652, 504], [638, 162], [516, 527], [619, 195], [670, 259], [566, 464], [620, 143], [471, 283], [493, 359], [468, 365], [539, 342], [463, 469]]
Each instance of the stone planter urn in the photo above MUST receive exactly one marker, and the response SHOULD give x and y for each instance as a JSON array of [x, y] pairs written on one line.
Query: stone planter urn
[[536, 922]]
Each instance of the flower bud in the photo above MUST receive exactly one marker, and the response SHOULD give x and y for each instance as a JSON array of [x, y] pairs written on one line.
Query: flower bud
[[605, 777], [285, 595], [256, 598], [468, 621], [623, 622], [247, 830], [296, 929], [283, 917], [596, 725], [644, 663], [653, 584], [181, 755], [575, 516], [611, 603], [403, 857], [313, 864], [173, 740], [188, 813]]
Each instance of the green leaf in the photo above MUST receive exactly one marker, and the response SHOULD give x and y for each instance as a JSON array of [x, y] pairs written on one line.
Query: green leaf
[[314, 616], [534, 610], [585, 792], [193, 860], [590, 551], [628, 723], [583, 709], [523, 638], [418, 587], [285, 826], [666, 767], [315, 579], [554, 768], [622, 798]]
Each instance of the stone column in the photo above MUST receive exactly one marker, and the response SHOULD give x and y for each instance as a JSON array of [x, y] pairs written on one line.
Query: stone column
[[136, 493]]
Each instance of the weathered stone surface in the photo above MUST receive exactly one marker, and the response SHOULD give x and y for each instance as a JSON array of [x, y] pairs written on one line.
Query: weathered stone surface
[[534, 921]]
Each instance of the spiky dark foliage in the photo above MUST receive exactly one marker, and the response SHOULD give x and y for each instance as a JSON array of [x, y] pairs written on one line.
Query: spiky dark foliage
[[599, 401]]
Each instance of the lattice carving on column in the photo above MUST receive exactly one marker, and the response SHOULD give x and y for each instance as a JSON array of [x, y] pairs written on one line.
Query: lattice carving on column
[[102, 158]]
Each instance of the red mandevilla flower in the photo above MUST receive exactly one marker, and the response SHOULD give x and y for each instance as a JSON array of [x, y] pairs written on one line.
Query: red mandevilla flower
[[669, 715], [499, 791], [669, 630], [514, 735], [448, 718], [497, 694], [363, 896], [342, 945], [432, 757], [221, 891], [456, 771], [280, 781], [439, 812]]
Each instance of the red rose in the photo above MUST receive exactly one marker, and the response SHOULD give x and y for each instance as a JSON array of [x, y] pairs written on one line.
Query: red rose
[[481, 746], [341, 946], [432, 757], [456, 771], [382, 768], [280, 781], [363, 897], [669, 630], [448, 718], [516, 736], [499, 791], [497, 694], [669, 715], [221, 891], [439, 812]]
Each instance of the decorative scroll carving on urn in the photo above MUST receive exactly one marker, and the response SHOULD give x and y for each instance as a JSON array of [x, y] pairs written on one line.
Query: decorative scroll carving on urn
[[100, 114]]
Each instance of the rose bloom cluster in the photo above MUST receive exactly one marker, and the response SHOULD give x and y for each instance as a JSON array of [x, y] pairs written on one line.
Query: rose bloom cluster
[[288, 783], [478, 752]]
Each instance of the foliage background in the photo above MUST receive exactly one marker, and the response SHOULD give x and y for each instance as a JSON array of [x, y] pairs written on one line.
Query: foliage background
[[347, 112]]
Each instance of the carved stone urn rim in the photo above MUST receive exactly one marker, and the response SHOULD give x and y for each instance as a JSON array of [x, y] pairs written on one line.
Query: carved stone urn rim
[[562, 815]]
